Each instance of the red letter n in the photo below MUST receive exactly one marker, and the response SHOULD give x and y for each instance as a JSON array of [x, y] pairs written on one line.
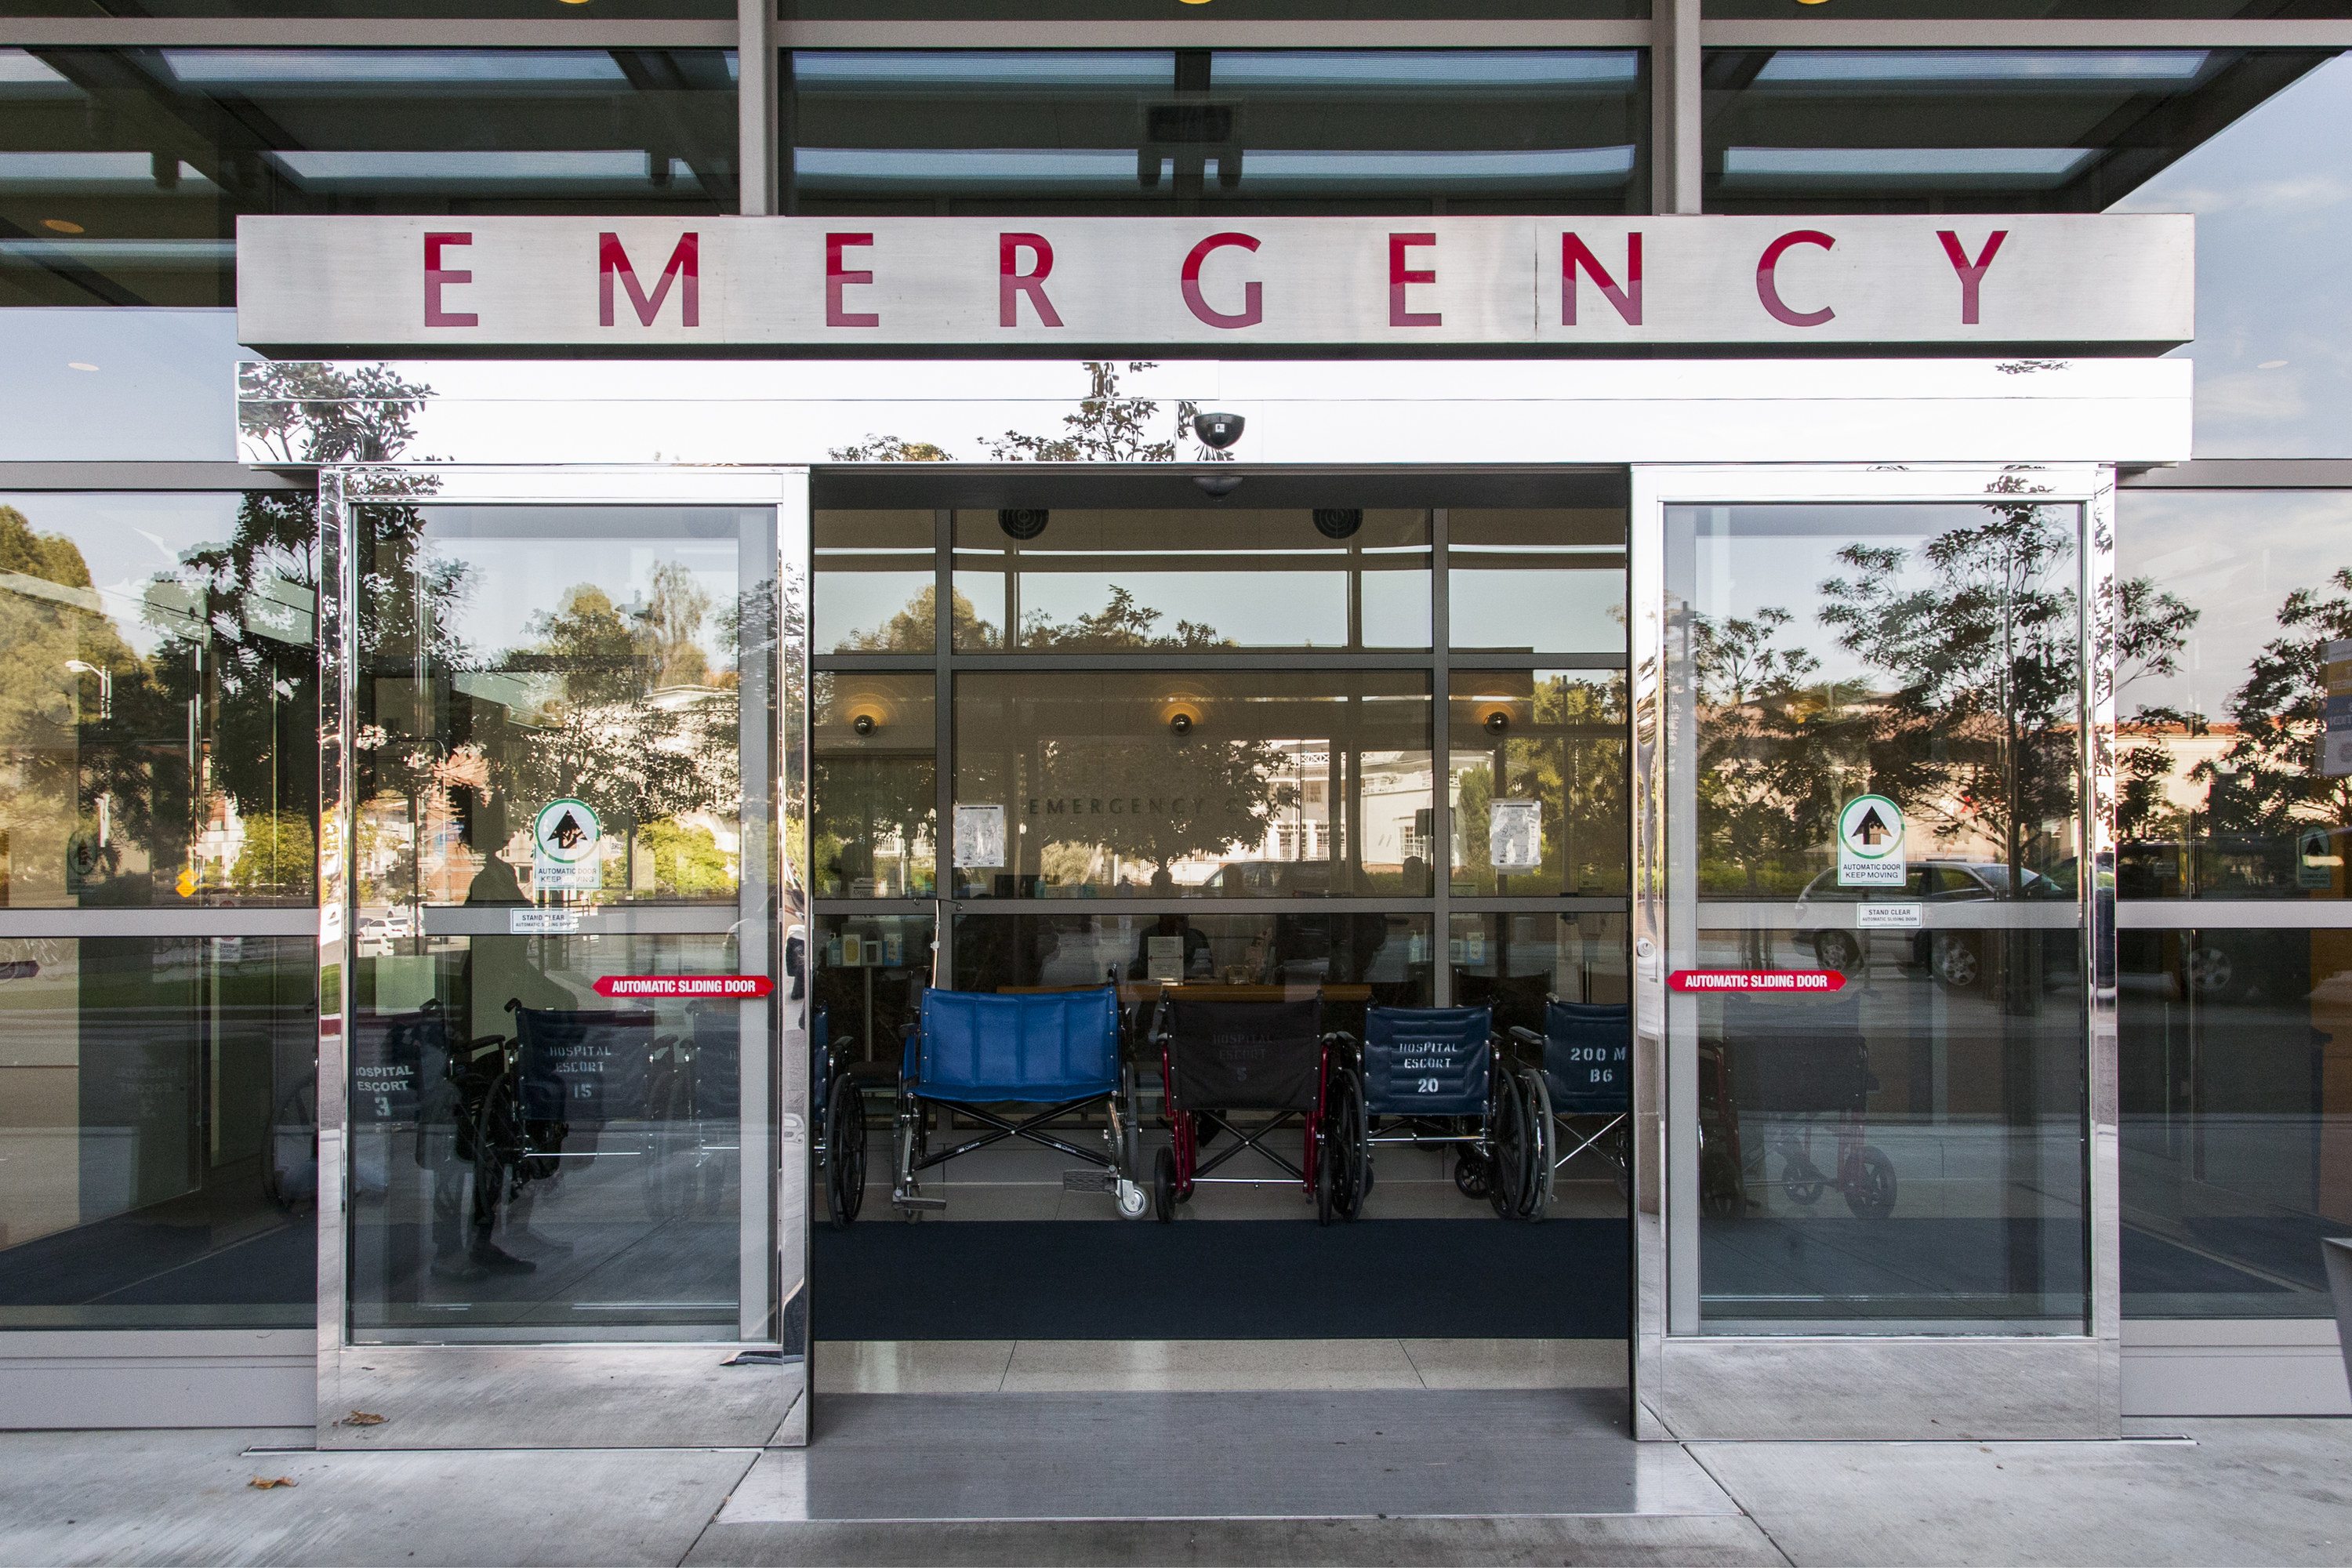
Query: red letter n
[[1011, 282], [683, 260], [1628, 300]]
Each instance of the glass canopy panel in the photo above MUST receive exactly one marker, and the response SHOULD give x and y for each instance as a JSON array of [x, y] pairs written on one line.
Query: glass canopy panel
[[215, 132], [1195, 130], [1840, 130]]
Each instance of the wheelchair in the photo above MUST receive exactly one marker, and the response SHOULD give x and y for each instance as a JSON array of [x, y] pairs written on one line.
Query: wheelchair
[[1586, 1078], [1434, 1078], [838, 1088], [1217, 1057], [974, 1052]]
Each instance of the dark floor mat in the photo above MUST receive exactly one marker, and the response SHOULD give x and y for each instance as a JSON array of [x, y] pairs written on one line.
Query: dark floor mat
[[1226, 1279]]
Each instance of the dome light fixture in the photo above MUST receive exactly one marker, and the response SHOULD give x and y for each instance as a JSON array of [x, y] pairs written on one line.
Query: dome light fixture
[[1339, 521], [1497, 723], [1022, 523], [863, 725]]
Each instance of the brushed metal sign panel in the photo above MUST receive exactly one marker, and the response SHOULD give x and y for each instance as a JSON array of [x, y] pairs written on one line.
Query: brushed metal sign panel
[[1233, 283]]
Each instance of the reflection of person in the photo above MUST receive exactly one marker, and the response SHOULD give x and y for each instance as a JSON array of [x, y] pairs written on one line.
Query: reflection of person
[[1197, 960], [496, 966]]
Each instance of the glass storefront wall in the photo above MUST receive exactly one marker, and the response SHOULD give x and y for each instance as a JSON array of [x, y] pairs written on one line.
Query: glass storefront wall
[[1206, 783], [157, 1093], [160, 720], [2232, 960], [1899, 1149]]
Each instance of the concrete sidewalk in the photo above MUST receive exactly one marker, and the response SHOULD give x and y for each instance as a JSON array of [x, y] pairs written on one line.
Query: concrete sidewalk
[[2220, 1491]]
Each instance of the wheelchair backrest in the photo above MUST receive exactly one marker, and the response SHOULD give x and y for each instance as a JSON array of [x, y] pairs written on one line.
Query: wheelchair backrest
[[1049, 1046], [390, 1059], [1246, 1056], [1588, 1057], [1427, 1061], [584, 1067]]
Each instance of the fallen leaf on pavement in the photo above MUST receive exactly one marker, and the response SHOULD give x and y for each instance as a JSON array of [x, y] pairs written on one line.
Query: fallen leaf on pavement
[[361, 1418], [264, 1483]]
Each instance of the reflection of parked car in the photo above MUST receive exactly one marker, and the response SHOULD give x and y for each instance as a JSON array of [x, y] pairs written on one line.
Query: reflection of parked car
[[1954, 956], [374, 938]]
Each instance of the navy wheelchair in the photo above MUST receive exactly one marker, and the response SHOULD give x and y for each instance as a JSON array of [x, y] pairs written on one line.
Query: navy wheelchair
[[1434, 1078], [1058, 1052], [1584, 1093], [1221, 1057]]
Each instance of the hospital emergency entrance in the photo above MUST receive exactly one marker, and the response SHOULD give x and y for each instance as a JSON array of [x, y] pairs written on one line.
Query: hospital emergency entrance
[[1490, 683]]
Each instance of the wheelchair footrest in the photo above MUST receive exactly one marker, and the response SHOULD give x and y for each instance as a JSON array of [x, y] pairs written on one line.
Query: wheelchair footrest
[[900, 1201], [1094, 1179]]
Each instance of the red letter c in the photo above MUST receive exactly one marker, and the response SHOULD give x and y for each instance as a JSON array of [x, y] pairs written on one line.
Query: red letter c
[[1253, 309], [1767, 291]]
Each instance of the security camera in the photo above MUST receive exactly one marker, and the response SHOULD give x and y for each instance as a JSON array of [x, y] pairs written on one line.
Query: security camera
[[1339, 521], [1497, 723], [1217, 431], [865, 725], [1022, 523]]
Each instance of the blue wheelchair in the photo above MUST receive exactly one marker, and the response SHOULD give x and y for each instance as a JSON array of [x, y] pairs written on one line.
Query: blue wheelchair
[[1584, 1093], [1052, 1054], [1433, 1079]]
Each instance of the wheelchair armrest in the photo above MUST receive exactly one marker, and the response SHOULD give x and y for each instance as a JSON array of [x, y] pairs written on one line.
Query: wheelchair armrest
[[1527, 1037]]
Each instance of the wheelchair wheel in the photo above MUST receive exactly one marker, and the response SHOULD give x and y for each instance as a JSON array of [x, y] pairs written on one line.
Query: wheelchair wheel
[[1513, 1168], [845, 1142], [1326, 1204], [1871, 1190], [1163, 1188], [1470, 1175], [1348, 1152], [1539, 1148]]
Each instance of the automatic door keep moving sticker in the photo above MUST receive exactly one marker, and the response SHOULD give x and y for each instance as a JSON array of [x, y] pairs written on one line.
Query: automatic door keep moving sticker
[[1870, 843], [564, 839]]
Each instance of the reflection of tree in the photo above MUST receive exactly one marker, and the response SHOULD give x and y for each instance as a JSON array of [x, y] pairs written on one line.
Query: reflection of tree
[[1774, 752], [866, 796], [2150, 627], [1987, 661], [64, 753], [2269, 780], [1187, 797], [637, 752], [1106, 429], [1121, 625], [914, 628]]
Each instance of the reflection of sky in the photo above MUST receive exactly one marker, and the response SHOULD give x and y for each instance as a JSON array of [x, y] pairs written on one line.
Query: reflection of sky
[[511, 583], [2235, 556], [2273, 195], [107, 384], [1750, 559], [126, 540]]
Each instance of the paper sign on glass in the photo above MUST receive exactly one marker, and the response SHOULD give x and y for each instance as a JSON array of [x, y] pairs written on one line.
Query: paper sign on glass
[[1515, 835], [979, 836]]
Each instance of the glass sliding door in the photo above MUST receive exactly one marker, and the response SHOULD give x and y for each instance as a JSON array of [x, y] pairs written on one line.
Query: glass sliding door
[[559, 892], [1880, 858]]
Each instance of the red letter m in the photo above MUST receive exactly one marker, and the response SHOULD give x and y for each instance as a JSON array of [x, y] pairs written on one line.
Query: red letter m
[[611, 258]]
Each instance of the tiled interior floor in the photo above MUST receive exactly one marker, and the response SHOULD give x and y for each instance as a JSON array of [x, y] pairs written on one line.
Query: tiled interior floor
[[1202, 1366]]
